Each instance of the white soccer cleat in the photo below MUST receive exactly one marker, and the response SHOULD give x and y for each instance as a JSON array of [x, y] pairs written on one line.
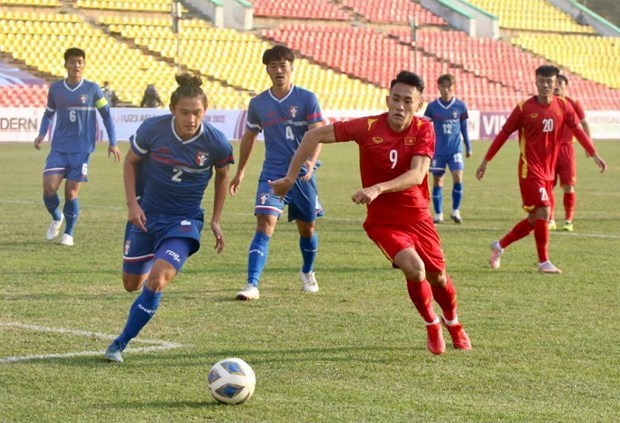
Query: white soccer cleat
[[308, 282], [456, 216], [66, 240], [496, 255], [250, 292], [548, 267], [552, 225], [54, 228], [438, 218]]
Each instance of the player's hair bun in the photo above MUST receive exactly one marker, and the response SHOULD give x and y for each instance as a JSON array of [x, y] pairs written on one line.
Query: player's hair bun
[[187, 79]]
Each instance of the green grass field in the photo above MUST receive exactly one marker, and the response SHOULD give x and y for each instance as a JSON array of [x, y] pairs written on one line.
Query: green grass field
[[546, 347]]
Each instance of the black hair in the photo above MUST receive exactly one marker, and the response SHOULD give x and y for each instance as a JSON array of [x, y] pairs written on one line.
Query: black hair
[[562, 77], [547, 70], [448, 77], [189, 86], [74, 52], [277, 53], [409, 78]]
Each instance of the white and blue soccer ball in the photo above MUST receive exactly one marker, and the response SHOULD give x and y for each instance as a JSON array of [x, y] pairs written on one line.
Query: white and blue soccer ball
[[231, 381]]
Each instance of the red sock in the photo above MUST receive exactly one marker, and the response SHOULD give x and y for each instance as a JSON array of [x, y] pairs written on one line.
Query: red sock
[[570, 200], [422, 297], [446, 298], [520, 230], [541, 235]]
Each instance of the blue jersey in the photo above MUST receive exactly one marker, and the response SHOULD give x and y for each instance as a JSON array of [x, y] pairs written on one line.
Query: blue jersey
[[173, 174], [76, 120], [450, 122], [285, 121]]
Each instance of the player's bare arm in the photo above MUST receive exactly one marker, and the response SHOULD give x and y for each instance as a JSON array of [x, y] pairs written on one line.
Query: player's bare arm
[[245, 150], [219, 197], [309, 143], [135, 214], [312, 160]]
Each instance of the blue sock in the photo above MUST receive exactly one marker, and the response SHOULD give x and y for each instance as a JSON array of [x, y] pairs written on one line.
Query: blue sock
[[308, 247], [457, 195], [141, 311], [437, 199], [71, 211], [257, 257], [52, 203]]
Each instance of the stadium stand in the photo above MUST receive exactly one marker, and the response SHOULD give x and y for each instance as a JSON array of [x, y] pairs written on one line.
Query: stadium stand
[[393, 12], [307, 9]]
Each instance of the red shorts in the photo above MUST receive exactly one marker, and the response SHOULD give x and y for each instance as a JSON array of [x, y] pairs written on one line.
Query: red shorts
[[566, 167], [535, 193], [420, 235]]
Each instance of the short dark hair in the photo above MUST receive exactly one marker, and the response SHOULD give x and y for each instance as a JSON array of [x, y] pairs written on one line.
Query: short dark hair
[[74, 52], [277, 53], [562, 77], [408, 78], [448, 77], [547, 70], [189, 86]]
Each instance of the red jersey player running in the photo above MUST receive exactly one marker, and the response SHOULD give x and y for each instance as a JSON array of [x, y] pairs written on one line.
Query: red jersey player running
[[395, 152], [566, 167], [540, 121]]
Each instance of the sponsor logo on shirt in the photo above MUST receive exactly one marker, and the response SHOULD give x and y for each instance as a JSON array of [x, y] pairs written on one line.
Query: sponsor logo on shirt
[[201, 158], [292, 110], [377, 140]]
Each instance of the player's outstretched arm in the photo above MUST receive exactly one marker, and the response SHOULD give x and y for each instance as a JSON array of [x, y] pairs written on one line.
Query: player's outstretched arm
[[309, 143], [245, 150]]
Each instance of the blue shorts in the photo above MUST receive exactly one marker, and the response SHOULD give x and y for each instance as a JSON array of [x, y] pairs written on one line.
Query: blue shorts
[[141, 247], [302, 200], [439, 162], [73, 166]]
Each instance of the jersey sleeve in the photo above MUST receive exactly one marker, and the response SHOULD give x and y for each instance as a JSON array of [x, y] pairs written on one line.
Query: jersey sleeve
[[581, 114], [352, 130], [141, 140], [511, 125], [223, 154], [314, 110], [253, 122], [425, 139]]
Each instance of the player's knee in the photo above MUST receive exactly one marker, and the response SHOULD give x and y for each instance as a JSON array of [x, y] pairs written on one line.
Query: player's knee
[[414, 274], [132, 282]]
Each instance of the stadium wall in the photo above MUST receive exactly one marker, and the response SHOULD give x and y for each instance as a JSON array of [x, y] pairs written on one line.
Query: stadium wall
[[22, 124]]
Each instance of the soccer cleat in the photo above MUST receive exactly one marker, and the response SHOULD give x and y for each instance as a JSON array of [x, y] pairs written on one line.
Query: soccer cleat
[[438, 218], [54, 228], [66, 240], [548, 267], [552, 226], [250, 292], [496, 255], [456, 216], [460, 340], [113, 353], [308, 282], [435, 342], [568, 226]]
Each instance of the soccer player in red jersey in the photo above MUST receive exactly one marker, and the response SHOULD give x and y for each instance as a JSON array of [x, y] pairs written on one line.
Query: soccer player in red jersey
[[566, 166], [395, 152], [540, 120]]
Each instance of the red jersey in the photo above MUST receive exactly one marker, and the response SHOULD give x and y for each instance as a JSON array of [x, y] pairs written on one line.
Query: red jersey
[[540, 126], [566, 136], [385, 155]]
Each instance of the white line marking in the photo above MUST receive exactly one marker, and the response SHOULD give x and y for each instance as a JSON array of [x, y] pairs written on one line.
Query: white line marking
[[155, 345]]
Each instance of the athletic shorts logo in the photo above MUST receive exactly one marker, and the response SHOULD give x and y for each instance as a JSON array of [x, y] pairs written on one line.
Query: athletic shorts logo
[[186, 223], [127, 245], [264, 198]]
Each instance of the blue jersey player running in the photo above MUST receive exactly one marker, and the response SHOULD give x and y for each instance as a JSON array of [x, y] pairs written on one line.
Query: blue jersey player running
[[74, 101], [284, 112], [170, 163], [449, 116]]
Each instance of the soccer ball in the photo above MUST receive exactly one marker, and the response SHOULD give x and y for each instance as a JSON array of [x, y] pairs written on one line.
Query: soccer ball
[[231, 381]]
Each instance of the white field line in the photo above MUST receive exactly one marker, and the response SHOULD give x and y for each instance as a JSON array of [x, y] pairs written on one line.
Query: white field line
[[155, 345]]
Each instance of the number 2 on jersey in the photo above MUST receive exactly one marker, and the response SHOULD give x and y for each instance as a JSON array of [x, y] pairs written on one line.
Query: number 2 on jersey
[[177, 175]]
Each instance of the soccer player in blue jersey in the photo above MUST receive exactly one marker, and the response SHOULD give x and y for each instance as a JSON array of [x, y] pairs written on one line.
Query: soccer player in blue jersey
[[285, 112], [170, 163], [73, 100], [449, 116]]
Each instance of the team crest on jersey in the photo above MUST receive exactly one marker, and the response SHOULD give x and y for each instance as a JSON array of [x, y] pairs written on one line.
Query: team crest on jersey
[[534, 115], [409, 140], [201, 158], [377, 140], [292, 110], [263, 198], [455, 114], [84, 98]]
